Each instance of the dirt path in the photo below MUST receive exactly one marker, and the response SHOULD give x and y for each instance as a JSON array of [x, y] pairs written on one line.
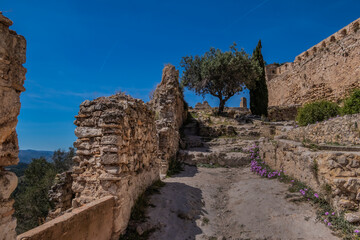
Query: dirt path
[[230, 203]]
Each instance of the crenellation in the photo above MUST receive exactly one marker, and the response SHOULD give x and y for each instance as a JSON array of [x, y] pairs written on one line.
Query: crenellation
[[327, 71]]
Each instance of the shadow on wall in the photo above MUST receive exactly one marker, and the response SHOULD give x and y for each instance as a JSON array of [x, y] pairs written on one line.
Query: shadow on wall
[[186, 206]]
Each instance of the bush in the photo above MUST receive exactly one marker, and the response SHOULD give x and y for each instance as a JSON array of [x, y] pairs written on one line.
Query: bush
[[352, 103], [316, 112]]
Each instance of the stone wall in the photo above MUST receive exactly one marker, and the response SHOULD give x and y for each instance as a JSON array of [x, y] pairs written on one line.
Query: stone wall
[[61, 194], [329, 70], [343, 130], [283, 113], [324, 155], [117, 153], [12, 76], [338, 170], [168, 104], [94, 221]]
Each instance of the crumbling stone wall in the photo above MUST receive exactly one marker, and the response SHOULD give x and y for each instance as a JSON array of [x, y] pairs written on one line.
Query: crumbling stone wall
[[204, 105], [168, 104], [117, 153], [61, 194], [326, 166], [329, 70], [283, 113], [343, 130], [12, 76], [336, 174]]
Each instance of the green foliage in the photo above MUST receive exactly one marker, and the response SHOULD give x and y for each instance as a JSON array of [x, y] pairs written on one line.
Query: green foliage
[[31, 196], [63, 160], [175, 166], [221, 74], [19, 169], [352, 103], [315, 168], [316, 112], [138, 213], [259, 92]]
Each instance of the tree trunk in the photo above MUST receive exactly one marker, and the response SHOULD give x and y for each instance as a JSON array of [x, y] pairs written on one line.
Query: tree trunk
[[221, 106]]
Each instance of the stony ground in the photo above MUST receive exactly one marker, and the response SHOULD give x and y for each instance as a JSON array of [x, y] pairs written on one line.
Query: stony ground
[[230, 203], [227, 202]]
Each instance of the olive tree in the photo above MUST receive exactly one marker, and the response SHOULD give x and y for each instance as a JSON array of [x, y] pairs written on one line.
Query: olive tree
[[221, 74]]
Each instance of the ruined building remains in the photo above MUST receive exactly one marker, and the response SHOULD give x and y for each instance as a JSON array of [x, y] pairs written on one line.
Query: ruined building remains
[[329, 70], [12, 76], [123, 146], [169, 106]]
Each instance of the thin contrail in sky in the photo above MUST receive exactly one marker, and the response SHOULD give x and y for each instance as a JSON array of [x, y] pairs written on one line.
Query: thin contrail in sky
[[107, 56], [245, 14]]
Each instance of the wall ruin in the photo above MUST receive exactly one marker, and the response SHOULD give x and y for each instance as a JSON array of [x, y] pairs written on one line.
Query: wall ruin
[[12, 76], [170, 113], [117, 153], [314, 155], [327, 71]]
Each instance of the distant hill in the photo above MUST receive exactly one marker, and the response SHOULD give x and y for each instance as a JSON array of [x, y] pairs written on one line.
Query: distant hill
[[26, 156]]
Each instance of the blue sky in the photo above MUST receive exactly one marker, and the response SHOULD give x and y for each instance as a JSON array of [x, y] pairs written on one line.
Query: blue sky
[[78, 50]]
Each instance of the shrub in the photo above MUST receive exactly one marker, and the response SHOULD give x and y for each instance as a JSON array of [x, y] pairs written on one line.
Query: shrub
[[352, 103], [316, 112]]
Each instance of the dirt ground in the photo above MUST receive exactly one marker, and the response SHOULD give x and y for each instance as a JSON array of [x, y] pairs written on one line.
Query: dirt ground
[[230, 203]]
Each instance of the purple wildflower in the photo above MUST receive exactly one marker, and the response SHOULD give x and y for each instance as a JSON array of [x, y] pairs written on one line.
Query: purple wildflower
[[316, 195]]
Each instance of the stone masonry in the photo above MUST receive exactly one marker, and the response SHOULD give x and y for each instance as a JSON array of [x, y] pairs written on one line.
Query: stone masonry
[[168, 104], [329, 70], [243, 103], [325, 156], [12, 76], [117, 153]]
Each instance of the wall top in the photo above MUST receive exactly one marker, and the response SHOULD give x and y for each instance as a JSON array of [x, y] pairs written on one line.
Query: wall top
[[4, 20]]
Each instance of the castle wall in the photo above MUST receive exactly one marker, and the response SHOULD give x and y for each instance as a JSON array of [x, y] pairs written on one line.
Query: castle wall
[[12, 76], [327, 71]]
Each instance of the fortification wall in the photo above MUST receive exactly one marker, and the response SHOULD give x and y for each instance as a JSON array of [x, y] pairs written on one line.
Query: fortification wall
[[170, 113], [329, 70], [12, 76], [94, 221]]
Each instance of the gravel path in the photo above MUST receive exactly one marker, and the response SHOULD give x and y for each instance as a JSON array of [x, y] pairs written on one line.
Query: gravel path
[[230, 203]]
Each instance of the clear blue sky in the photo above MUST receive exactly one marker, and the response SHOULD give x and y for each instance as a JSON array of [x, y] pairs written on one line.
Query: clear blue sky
[[79, 50]]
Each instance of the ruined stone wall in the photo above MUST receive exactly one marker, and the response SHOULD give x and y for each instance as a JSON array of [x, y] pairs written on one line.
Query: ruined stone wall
[[343, 130], [324, 155], [329, 70], [61, 194], [283, 113], [117, 153], [338, 170], [168, 104], [12, 76]]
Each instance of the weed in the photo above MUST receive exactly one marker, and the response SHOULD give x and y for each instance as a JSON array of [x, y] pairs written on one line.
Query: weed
[[138, 213], [325, 212], [314, 167], [194, 115], [175, 166], [205, 220], [208, 165]]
